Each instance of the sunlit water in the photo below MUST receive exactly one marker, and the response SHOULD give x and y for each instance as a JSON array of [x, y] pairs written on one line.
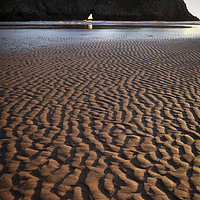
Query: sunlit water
[[16, 36]]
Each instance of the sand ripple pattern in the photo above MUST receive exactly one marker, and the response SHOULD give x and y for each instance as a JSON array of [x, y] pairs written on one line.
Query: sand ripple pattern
[[101, 119]]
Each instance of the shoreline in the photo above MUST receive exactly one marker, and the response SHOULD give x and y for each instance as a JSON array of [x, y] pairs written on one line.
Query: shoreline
[[99, 24]]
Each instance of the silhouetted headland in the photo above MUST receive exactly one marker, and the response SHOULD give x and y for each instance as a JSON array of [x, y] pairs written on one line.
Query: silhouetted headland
[[160, 10]]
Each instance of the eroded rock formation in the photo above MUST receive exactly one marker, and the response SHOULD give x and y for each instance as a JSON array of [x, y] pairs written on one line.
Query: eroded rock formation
[[173, 10]]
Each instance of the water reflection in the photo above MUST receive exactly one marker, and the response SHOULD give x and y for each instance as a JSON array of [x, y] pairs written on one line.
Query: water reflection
[[192, 31], [90, 26], [18, 36]]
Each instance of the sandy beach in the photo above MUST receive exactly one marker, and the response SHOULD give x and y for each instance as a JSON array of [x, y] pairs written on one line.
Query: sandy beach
[[111, 116]]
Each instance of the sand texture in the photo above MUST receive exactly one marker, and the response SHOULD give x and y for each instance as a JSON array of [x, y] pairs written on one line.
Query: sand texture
[[101, 119]]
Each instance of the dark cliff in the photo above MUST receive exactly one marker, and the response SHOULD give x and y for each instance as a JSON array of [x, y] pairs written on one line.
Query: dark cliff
[[170, 10]]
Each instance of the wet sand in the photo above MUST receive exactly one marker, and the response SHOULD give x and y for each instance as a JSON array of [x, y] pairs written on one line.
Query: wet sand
[[97, 118]]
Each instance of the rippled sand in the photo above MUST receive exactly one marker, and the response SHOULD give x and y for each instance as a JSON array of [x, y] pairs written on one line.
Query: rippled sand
[[102, 118]]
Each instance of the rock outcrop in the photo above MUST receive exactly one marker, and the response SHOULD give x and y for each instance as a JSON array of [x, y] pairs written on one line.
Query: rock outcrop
[[171, 10]]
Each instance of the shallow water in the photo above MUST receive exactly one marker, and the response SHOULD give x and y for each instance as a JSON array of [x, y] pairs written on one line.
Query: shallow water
[[16, 36], [104, 23]]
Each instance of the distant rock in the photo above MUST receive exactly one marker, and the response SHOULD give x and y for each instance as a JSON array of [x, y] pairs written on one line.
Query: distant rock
[[24, 10]]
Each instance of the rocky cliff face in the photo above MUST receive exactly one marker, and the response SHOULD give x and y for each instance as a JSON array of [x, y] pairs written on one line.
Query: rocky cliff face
[[171, 10]]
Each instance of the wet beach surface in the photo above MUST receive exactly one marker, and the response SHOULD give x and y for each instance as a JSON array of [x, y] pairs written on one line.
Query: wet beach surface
[[100, 114]]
